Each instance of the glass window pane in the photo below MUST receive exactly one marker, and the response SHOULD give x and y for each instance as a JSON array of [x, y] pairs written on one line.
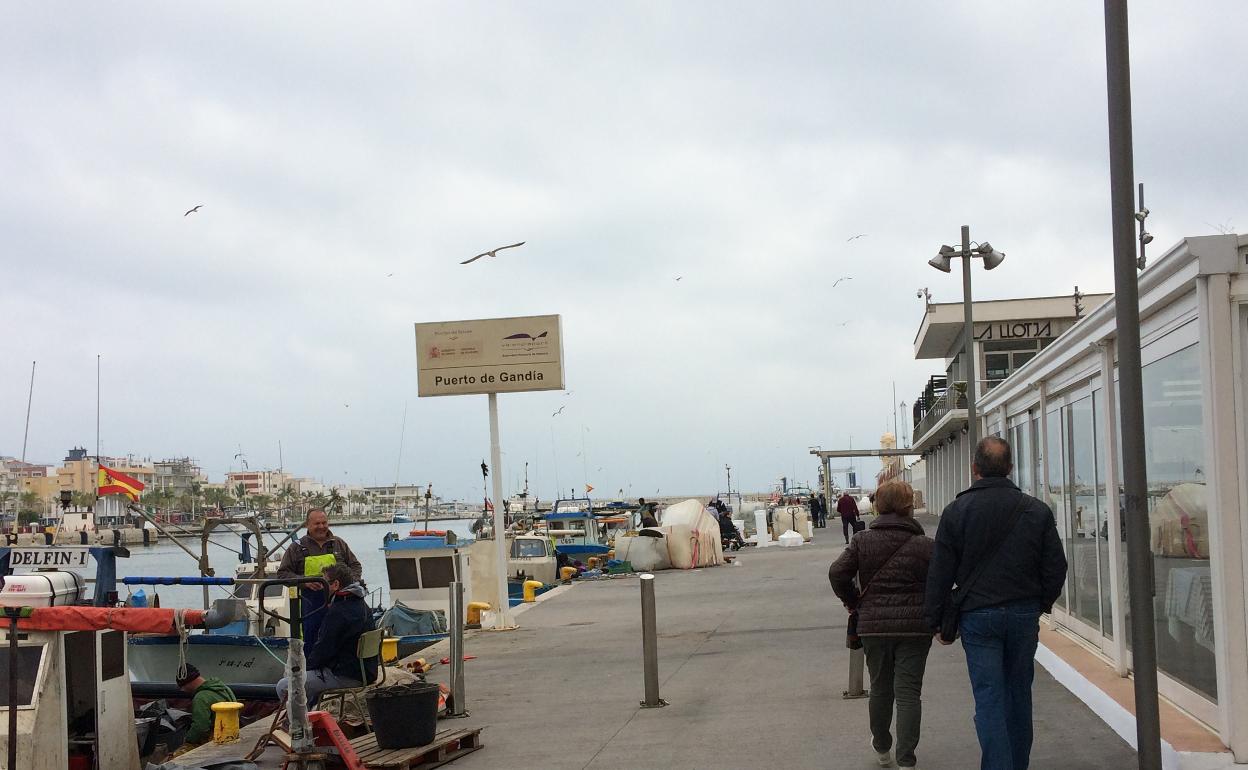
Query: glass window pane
[[1102, 513], [1054, 462], [1022, 457], [1178, 519], [1085, 514]]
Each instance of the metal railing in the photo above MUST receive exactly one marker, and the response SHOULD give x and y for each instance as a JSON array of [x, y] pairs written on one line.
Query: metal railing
[[953, 398]]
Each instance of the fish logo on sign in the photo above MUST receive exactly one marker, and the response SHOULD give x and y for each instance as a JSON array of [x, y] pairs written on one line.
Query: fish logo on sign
[[525, 336]]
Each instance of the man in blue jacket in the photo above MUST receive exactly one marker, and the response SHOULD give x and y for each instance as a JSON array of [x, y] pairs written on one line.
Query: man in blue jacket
[[332, 662], [1015, 537]]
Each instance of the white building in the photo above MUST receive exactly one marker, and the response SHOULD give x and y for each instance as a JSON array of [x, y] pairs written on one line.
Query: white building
[[1060, 414]]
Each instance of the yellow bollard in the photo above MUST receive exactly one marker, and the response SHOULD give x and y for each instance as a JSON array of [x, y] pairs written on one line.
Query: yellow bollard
[[474, 613], [530, 590], [225, 726], [566, 573], [389, 649]]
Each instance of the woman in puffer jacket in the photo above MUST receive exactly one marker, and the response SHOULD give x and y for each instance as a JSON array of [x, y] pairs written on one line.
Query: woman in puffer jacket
[[890, 561]]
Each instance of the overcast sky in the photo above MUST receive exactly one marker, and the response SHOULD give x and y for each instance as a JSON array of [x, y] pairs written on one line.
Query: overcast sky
[[735, 145]]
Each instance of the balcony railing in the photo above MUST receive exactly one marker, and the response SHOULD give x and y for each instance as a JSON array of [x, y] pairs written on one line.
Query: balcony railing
[[952, 398]]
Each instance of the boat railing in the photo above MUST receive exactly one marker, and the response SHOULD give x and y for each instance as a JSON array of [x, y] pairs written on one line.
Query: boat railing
[[296, 619]]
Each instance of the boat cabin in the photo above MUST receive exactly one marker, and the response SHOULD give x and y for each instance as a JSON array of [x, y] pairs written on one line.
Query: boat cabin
[[421, 567]]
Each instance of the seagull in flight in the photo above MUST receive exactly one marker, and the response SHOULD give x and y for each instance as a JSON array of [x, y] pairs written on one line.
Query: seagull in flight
[[556, 414], [192, 211], [491, 254], [856, 237], [679, 277], [842, 278]]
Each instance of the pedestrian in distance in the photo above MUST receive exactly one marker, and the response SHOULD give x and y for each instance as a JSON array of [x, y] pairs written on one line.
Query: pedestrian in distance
[[847, 507], [1000, 547], [823, 508], [816, 513], [890, 561]]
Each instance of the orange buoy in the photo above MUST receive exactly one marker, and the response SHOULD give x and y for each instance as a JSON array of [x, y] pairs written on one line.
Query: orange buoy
[[428, 532]]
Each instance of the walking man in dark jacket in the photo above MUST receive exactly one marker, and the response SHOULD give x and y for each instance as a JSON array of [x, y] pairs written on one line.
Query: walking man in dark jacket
[[848, 509], [1000, 615]]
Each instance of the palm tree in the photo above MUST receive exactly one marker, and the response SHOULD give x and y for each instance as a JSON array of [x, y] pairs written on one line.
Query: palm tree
[[5, 496], [196, 492], [217, 497], [335, 502], [82, 499], [29, 502], [357, 499], [240, 492], [262, 502]]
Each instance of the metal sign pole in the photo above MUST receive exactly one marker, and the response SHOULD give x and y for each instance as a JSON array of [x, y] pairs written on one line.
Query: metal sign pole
[[502, 615]]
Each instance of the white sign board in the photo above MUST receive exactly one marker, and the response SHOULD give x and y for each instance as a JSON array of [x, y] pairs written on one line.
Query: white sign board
[[60, 557], [491, 355]]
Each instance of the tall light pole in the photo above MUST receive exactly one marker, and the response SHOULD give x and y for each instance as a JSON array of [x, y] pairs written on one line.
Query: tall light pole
[[1130, 384], [941, 261]]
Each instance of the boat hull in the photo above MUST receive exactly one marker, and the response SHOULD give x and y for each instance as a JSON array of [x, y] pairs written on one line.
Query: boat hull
[[234, 659]]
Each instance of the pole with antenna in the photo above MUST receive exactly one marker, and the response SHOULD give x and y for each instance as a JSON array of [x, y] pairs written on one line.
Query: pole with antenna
[[29, 399]]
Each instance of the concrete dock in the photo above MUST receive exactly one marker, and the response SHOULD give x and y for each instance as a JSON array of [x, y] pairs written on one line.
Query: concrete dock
[[753, 663]]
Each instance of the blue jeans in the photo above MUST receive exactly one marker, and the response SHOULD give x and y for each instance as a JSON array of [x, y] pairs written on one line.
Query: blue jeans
[[1000, 644]]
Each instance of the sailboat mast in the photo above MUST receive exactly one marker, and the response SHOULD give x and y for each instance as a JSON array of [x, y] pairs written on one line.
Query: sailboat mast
[[29, 398]]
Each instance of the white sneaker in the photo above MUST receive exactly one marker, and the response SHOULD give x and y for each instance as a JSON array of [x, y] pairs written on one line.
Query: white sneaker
[[885, 758]]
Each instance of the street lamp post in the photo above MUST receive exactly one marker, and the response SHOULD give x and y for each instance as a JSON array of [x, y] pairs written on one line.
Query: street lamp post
[[941, 262]]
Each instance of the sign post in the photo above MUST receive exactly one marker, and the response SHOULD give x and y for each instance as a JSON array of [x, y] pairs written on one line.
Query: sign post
[[491, 356]]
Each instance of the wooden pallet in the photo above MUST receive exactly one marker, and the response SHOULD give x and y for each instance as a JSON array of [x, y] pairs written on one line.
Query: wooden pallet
[[447, 746]]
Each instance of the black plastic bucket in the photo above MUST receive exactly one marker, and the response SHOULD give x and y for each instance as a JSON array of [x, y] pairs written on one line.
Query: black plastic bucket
[[404, 715]]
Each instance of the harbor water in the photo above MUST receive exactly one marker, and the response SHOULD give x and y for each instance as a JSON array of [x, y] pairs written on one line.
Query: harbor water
[[165, 558]]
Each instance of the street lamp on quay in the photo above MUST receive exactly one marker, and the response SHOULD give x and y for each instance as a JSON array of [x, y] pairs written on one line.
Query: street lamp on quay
[[941, 262]]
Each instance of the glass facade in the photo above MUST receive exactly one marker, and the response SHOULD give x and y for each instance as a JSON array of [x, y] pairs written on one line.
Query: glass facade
[[1104, 499]]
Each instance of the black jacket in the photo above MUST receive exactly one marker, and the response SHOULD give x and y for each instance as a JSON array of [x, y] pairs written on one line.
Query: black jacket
[[347, 616], [1031, 564]]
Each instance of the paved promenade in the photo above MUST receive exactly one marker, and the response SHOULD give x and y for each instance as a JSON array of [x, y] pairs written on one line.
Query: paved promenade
[[753, 663]]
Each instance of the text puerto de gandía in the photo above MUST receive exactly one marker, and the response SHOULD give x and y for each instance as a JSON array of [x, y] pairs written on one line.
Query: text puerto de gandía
[[471, 379]]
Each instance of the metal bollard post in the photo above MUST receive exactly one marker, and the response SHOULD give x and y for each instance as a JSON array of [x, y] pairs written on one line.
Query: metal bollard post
[[650, 644], [856, 664], [457, 651]]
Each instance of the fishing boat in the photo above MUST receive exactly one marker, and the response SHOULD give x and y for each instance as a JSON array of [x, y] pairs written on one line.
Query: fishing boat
[[250, 650], [68, 651], [401, 516], [576, 532]]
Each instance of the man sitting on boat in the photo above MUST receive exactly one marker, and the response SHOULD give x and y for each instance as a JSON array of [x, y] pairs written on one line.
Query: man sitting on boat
[[307, 557], [204, 693], [332, 663]]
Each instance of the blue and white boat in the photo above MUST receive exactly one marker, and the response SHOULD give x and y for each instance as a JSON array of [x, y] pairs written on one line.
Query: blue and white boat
[[575, 531]]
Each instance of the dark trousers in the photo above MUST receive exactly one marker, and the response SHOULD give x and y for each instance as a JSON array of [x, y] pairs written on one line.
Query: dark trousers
[[1000, 645], [847, 526], [896, 665]]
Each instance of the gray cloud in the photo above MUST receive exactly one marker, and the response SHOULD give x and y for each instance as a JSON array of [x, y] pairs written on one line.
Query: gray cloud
[[733, 144]]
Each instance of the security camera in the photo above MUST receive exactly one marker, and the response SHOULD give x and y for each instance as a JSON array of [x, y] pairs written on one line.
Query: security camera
[[1141, 215]]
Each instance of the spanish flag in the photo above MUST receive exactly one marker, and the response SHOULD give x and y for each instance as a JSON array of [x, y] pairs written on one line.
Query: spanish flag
[[111, 482]]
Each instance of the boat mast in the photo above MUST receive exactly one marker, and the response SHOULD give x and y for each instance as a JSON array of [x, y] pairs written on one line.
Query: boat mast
[[29, 398]]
